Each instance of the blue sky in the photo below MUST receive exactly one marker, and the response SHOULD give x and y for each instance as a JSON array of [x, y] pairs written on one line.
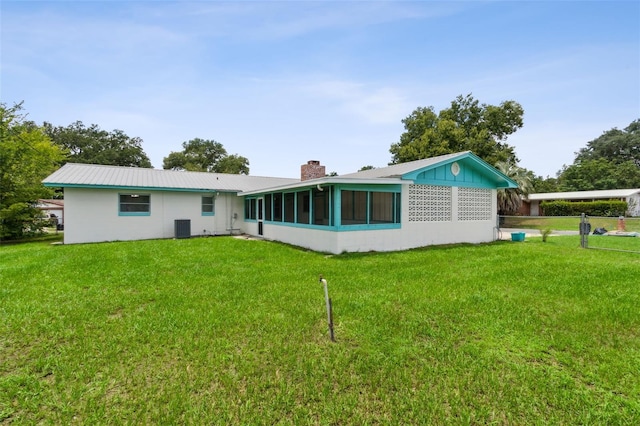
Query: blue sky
[[285, 82]]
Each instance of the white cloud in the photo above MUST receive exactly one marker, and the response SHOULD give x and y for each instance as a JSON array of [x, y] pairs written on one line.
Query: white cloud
[[366, 101]]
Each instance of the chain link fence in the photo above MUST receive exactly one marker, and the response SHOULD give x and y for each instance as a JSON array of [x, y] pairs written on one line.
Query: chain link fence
[[606, 233]]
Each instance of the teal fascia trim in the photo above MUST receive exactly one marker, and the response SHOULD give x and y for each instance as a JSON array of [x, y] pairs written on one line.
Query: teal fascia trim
[[370, 187], [132, 188], [376, 227], [474, 173], [301, 225]]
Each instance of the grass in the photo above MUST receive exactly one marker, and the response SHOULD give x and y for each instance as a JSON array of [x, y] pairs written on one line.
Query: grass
[[568, 223], [230, 331], [47, 236]]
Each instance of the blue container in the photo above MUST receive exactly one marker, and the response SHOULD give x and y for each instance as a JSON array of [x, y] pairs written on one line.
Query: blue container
[[517, 236]]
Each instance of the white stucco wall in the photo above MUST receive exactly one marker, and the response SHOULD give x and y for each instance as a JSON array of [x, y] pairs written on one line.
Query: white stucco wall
[[91, 215]]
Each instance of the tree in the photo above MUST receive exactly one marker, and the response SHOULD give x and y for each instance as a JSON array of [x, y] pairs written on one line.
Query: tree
[[200, 155], [599, 174], [610, 161], [93, 145], [544, 185], [617, 146], [465, 126], [27, 156], [510, 199], [233, 164]]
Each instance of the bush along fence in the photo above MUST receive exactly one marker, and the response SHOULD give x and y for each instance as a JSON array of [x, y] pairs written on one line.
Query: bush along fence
[[609, 208]]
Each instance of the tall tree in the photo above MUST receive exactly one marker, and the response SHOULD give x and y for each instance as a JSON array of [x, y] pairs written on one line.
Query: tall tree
[[93, 145], [599, 174], [27, 156], [548, 184], [510, 199], [617, 146], [202, 155], [465, 125], [611, 161]]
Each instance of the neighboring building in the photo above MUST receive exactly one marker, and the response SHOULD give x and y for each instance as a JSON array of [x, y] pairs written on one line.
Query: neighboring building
[[440, 200], [531, 206], [52, 208]]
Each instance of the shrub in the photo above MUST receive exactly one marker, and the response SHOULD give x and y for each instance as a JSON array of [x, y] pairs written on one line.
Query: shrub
[[607, 208]]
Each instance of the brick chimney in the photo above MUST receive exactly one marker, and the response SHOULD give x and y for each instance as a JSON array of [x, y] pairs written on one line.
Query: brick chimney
[[311, 170]]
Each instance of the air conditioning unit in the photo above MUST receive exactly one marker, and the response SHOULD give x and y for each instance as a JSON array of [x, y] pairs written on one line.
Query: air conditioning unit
[[183, 228]]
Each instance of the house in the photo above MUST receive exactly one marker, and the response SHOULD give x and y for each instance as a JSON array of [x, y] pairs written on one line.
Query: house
[[531, 206], [52, 208], [108, 203], [440, 200]]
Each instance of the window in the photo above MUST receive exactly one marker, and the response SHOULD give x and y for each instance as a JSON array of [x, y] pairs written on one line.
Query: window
[[321, 206], [303, 207], [207, 206], [135, 205], [289, 207], [306, 207], [250, 208], [381, 207], [277, 207], [268, 205], [354, 208], [369, 207]]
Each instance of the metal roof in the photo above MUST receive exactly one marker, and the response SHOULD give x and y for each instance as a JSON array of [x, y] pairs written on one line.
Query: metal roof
[[394, 174], [397, 170], [575, 195], [54, 202], [94, 175]]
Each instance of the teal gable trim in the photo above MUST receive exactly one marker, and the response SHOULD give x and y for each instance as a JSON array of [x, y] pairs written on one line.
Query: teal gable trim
[[442, 175], [473, 173]]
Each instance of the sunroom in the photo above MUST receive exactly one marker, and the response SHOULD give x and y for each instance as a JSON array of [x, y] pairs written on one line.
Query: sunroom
[[440, 200], [335, 206]]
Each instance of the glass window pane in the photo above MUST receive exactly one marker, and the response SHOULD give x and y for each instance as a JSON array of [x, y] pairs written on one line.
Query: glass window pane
[[268, 205], [250, 208], [353, 207], [321, 206], [277, 207], [289, 207], [381, 210], [207, 204], [303, 207], [135, 203]]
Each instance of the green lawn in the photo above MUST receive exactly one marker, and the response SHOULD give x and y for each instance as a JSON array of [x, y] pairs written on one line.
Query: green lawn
[[568, 223], [231, 331]]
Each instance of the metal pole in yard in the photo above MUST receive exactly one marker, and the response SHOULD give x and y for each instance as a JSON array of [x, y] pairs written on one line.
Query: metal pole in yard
[[584, 231], [329, 308]]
